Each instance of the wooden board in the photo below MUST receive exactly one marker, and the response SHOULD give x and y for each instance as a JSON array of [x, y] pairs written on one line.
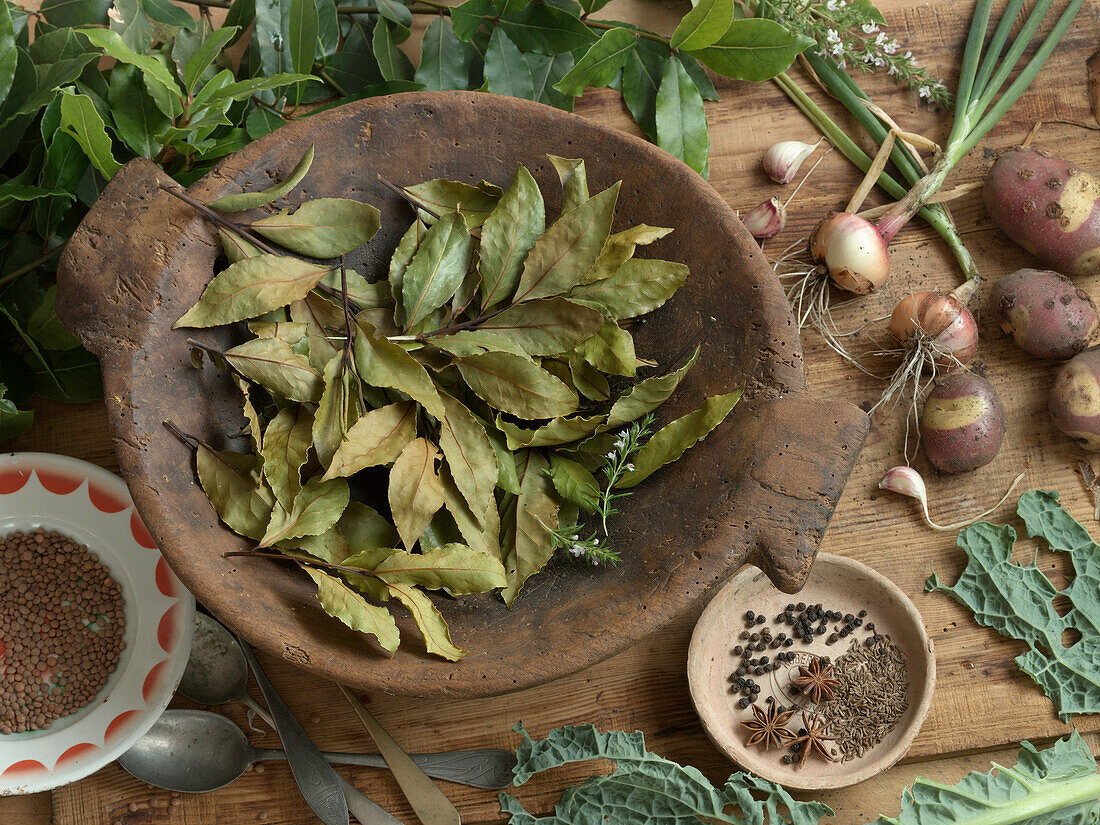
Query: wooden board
[[981, 703]]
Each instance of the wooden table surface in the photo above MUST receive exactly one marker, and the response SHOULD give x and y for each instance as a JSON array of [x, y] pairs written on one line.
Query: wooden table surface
[[983, 705]]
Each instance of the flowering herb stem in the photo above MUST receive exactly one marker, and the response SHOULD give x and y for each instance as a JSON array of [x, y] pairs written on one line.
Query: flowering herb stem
[[617, 464]]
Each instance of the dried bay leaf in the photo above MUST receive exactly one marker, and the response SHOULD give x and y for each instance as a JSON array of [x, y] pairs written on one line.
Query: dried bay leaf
[[366, 529], [331, 546], [470, 455], [255, 429], [402, 257], [314, 510], [516, 385], [547, 326], [619, 248], [294, 333], [575, 482], [322, 228], [238, 497], [574, 181], [474, 341], [286, 444], [337, 411], [251, 200], [377, 437], [588, 380], [313, 312], [639, 286], [507, 479], [556, 432], [442, 197], [272, 363], [568, 249], [510, 231], [456, 568], [415, 493], [437, 268], [526, 523], [647, 395], [362, 293], [674, 439], [251, 287], [611, 350], [342, 602], [430, 622], [480, 534], [382, 363]]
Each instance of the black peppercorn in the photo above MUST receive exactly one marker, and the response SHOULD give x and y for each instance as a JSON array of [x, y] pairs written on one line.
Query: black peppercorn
[[820, 630], [858, 622], [787, 759], [755, 637], [750, 617], [800, 606], [832, 639], [788, 642], [755, 689], [743, 703], [863, 614], [759, 671], [739, 672], [844, 632], [737, 651], [760, 620], [796, 747], [763, 660], [744, 634]]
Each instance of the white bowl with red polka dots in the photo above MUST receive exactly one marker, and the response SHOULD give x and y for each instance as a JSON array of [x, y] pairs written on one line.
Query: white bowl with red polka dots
[[93, 506]]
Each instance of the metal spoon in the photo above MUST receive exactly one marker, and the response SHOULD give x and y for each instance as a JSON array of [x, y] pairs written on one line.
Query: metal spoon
[[217, 673]]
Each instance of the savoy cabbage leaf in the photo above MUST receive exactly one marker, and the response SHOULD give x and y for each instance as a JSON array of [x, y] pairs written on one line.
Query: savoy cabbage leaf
[[646, 789], [1018, 600]]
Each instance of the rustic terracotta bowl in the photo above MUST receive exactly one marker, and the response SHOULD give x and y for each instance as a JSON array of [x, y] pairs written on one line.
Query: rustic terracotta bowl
[[839, 584], [761, 490]]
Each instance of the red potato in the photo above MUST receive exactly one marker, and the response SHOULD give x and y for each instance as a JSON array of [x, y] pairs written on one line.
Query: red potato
[[1049, 207], [1074, 401], [1045, 313], [963, 423]]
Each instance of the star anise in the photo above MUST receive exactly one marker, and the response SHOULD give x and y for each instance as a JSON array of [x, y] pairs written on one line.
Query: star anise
[[812, 737], [816, 680], [769, 728]]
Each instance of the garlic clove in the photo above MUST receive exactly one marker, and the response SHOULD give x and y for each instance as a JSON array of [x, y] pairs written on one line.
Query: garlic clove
[[905, 480], [766, 220], [782, 160]]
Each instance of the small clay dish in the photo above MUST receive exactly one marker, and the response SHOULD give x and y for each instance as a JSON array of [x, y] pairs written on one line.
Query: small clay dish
[[838, 584]]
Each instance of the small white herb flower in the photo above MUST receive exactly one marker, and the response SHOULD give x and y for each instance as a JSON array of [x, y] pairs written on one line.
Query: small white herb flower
[[890, 46], [881, 39], [629, 468], [577, 550], [610, 455], [832, 36], [880, 62], [925, 92], [869, 28]]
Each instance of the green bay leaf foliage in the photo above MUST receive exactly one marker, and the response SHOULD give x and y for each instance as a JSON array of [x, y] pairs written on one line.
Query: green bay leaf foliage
[[1017, 600], [425, 431], [1057, 785], [171, 92]]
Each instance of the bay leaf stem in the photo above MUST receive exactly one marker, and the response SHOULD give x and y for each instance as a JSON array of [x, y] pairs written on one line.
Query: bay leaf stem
[[220, 220]]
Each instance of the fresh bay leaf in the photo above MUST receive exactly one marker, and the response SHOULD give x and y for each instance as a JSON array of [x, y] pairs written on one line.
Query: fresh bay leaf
[[367, 530], [252, 200], [442, 197], [204, 56], [674, 439], [72, 13], [45, 327], [469, 454], [508, 234], [638, 287], [753, 49], [557, 431], [601, 63], [377, 437], [399, 263], [82, 122], [507, 69], [526, 524], [315, 509], [562, 256], [640, 81], [546, 70], [698, 76], [611, 350], [237, 496], [703, 25], [415, 493], [252, 287], [540, 27], [546, 326], [392, 62], [303, 27], [442, 58], [272, 363], [437, 268], [479, 533], [382, 363], [430, 622], [342, 602], [337, 410], [574, 181], [680, 118], [136, 116], [322, 228], [574, 482], [469, 16], [647, 395], [286, 444], [456, 568], [217, 94], [619, 248], [516, 385], [155, 72], [396, 12]]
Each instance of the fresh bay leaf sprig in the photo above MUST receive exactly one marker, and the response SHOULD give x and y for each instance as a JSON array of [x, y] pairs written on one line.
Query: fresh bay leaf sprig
[[469, 389]]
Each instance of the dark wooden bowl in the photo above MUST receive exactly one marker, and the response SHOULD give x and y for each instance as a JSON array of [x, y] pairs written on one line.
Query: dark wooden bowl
[[760, 490]]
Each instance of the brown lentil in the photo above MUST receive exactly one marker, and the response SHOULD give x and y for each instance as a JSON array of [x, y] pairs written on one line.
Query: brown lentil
[[61, 628]]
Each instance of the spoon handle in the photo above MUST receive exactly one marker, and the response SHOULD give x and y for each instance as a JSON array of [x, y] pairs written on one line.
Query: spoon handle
[[318, 782], [490, 769]]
